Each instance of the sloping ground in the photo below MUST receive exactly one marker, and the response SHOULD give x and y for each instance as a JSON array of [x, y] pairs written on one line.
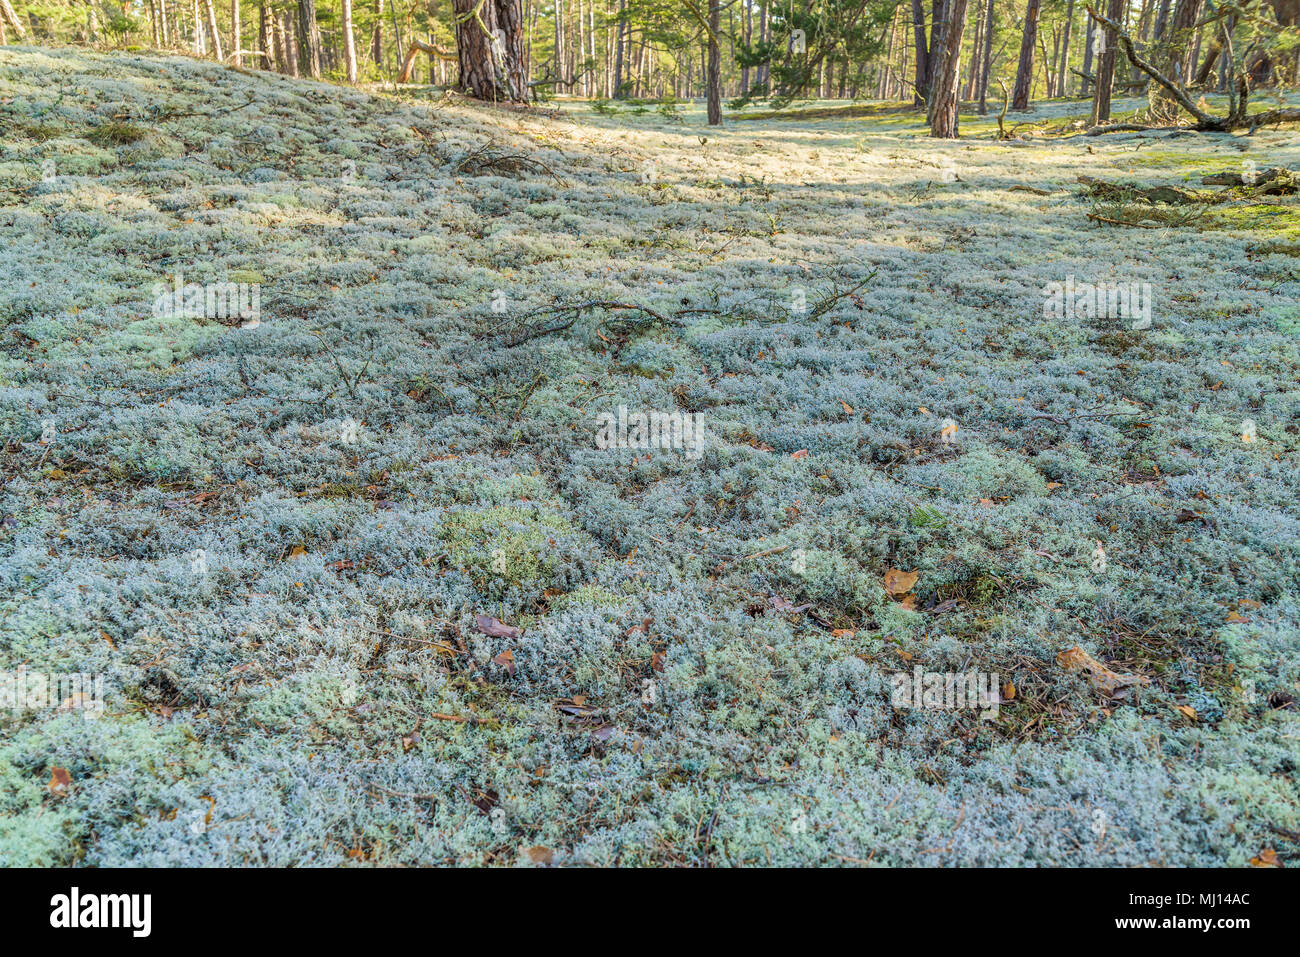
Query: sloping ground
[[383, 457]]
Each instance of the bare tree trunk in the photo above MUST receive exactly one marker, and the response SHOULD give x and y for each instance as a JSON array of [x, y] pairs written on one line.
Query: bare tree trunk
[[922, 51], [977, 44], [1062, 77], [290, 35], [946, 69], [236, 30], [8, 15], [988, 58], [490, 49], [265, 41], [377, 38], [1105, 67], [1025, 71], [349, 44], [1089, 36], [619, 44], [210, 12], [715, 64], [309, 42], [162, 21], [1162, 20], [1180, 38]]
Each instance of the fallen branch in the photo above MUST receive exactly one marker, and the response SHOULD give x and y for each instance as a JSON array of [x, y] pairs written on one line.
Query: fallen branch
[[419, 46], [1236, 118]]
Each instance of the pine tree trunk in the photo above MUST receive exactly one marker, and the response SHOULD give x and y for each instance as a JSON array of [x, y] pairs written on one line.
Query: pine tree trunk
[[922, 51], [618, 51], [490, 49], [1106, 66], [349, 44], [988, 59], [309, 41], [236, 30], [977, 44], [1061, 74], [715, 64], [946, 67], [1179, 39], [1025, 71], [7, 13], [290, 36], [210, 12], [377, 38], [264, 42]]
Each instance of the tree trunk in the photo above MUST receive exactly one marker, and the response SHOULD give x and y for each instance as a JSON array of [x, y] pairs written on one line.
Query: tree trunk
[[922, 51], [1025, 72], [235, 29], [1162, 19], [1062, 77], [1105, 67], [618, 50], [309, 41], [7, 12], [265, 42], [490, 49], [977, 45], [210, 12], [290, 35], [349, 43], [988, 58], [715, 64], [946, 69], [1180, 39], [377, 38]]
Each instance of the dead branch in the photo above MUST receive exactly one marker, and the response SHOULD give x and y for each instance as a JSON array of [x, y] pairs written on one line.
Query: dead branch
[[419, 46], [1236, 118]]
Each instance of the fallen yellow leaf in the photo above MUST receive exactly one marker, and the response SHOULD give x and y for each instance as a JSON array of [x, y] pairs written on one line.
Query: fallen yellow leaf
[[899, 582]]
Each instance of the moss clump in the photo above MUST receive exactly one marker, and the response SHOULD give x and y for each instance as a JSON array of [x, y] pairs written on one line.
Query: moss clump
[[509, 542], [116, 133]]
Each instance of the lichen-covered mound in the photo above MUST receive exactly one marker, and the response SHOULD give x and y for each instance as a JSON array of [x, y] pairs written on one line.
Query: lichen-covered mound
[[365, 585]]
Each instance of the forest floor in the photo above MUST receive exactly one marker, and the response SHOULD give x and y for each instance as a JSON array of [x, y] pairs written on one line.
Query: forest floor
[[364, 588]]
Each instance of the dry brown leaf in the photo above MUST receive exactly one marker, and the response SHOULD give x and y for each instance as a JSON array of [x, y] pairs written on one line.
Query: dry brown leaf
[[801, 454], [59, 781], [495, 628], [1103, 679], [543, 856], [1188, 710], [899, 582], [1266, 858], [1009, 692], [847, 408], [506, 660], [297, 551]]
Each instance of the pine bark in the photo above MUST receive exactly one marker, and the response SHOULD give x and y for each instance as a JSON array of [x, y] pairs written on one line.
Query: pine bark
[[309, 41], [1025, 71], [210, 12], [946, 67], [715, 64], [349, 43], [490, 49], [1106, 67]]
